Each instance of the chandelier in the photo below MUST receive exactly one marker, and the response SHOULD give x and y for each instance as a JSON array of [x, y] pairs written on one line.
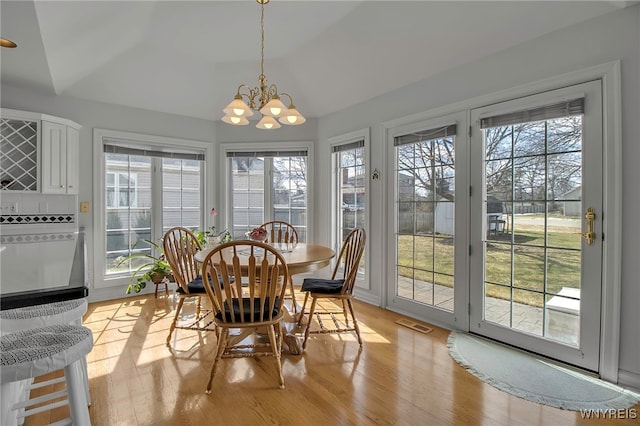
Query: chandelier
[[264, 98]]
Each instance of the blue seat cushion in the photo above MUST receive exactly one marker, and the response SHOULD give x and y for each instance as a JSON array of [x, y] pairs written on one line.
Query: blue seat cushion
[[320, 285], [197, 286], [246, 304]]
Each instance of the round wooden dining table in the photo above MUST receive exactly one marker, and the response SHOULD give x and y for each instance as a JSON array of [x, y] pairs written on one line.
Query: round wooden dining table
[[300, 257]]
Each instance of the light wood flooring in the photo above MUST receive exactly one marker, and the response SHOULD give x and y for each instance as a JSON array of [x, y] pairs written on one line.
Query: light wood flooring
[[401, 377]]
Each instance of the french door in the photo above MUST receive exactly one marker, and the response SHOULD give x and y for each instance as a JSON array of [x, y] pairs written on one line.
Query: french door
[[430, 215], [536, 223]]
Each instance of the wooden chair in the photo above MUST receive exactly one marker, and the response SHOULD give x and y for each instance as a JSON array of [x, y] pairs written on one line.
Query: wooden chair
[[339, 287], [279, 231], [246, 281], [180, 246]]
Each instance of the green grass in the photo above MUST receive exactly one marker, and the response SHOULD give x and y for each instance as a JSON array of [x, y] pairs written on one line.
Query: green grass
[[519, 267]]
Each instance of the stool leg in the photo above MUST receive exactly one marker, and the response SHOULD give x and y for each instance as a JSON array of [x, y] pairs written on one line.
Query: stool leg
[[85, 379], [76, 393]]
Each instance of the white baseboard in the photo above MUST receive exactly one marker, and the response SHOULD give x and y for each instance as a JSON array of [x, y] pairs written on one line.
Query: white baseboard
[[629, 380], [110, 293]]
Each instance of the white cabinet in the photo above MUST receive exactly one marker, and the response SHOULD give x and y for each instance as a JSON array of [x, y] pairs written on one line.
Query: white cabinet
[[38, 153], [60, 145], [19, 141]]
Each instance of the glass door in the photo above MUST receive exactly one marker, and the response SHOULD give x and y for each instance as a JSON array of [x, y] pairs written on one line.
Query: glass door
[[535, 223], [429, 214]]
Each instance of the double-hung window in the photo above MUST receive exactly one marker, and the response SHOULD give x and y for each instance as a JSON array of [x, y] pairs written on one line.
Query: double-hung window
[[147, 188]]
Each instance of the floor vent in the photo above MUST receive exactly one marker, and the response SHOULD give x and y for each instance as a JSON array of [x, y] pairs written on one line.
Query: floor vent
[[414, 325]]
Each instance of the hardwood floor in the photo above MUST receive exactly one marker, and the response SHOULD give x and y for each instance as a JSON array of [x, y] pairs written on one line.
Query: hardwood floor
[[401, 377]]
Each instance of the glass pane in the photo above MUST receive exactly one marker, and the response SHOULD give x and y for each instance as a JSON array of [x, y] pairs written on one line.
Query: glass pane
[[562, 316], [564, 176], [497, 304], [564, 230], [529, 139], [498, 263], [443, 254], [528, 267], [423, 253], [423, 286], [443, 291], [499, 179], [528, 179], [405, 282], [527, 311], [498, 142], [565, 134], [563, 269]]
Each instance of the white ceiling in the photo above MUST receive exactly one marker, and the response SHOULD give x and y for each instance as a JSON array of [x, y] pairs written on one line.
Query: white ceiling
[[189, 57]]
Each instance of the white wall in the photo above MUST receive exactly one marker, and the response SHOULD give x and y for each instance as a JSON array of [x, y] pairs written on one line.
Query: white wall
[[105, 116], [612, 37]]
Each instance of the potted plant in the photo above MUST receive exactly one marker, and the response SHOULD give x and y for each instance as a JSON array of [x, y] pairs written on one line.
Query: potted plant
[[154, 268]]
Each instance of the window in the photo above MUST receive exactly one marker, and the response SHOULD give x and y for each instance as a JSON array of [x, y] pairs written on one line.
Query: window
[[349, 190], [268, 185], [425, 202], [120, 187], [148, 188]]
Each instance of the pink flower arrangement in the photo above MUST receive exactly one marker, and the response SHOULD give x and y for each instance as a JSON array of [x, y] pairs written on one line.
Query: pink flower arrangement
[[258, 234]]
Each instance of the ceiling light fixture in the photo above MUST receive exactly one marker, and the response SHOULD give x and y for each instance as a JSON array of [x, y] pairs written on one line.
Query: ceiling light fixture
[[263, 98], [5, 42]]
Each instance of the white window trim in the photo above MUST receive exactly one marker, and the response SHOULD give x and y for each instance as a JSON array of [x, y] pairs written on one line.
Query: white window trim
[[99, 136], [612, 185], [224, 176], [355, 136]]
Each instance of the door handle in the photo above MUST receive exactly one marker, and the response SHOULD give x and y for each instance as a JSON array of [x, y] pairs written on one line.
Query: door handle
[[590, 235]]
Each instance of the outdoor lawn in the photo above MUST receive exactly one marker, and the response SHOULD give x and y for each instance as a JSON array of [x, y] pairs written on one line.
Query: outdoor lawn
[[518, 261]]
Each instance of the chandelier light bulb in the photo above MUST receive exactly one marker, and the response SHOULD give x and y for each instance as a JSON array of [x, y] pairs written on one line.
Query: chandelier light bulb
[[234, 119], [291, 117], [268, 123]]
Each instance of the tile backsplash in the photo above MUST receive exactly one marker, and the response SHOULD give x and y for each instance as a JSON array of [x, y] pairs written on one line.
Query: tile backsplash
[[28, 213]]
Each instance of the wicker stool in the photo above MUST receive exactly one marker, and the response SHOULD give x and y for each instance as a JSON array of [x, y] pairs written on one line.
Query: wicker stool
[[31, 353], [13, 320]]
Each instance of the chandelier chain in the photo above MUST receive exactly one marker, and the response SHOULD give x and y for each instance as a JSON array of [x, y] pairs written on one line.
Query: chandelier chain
[[262, 39]]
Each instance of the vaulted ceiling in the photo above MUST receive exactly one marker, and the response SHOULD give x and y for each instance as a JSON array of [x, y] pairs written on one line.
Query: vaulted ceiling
[[189, 57]]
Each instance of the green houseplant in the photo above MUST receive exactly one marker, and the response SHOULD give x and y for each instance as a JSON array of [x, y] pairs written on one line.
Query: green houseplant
[[152, 268]]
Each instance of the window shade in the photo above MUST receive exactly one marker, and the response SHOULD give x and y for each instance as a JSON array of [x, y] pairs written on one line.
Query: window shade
[[548, 112], [348, 146], [254, 154], [425, 135], [128, 148]]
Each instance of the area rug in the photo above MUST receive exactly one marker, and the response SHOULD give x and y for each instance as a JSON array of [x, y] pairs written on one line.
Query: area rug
[[535, 378]]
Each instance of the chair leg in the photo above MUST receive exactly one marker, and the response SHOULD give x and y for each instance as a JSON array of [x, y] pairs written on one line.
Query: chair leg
[[293, 296], [355, 322], [222, 343], [276, 352], [175, 320], [198, 307], [304, 304], [306, 330], [344, 312]]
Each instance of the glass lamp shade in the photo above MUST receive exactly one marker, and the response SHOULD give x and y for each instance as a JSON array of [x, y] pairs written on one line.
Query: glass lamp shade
[[268, 123], [291, 117], [273, 108], [238, 107], [235, 119]]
